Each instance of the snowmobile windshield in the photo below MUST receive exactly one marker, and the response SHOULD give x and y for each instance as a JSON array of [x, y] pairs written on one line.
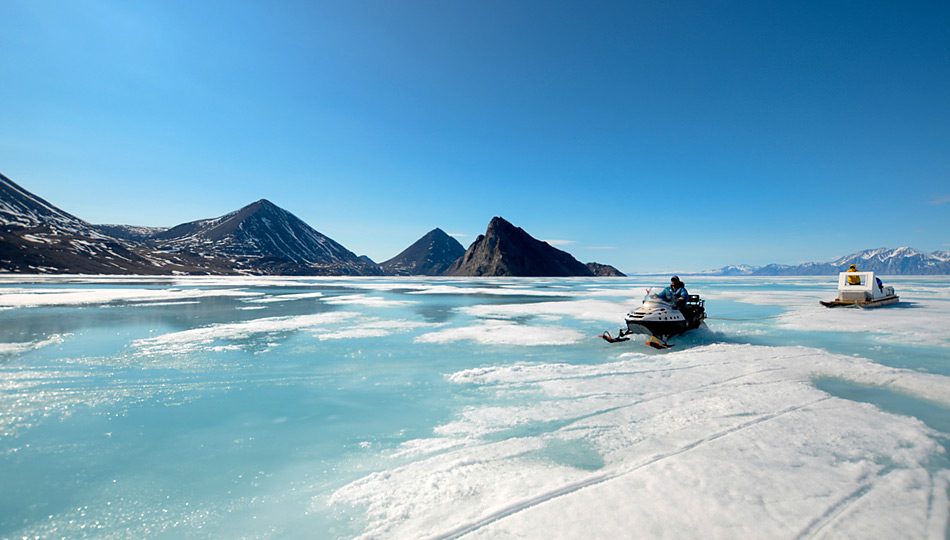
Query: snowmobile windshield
[[656, 295]]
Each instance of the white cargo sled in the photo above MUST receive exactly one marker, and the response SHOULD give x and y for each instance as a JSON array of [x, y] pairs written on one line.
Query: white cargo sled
[[861, 289]]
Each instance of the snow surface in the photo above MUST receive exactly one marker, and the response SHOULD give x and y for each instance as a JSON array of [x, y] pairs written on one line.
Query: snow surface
[[188, 341], [492, 332], [475, 408], [18, 297], [722, 441]]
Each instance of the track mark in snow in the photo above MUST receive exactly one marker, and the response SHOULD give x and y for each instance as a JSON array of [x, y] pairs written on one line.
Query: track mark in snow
[[834, 511], [462, 530]]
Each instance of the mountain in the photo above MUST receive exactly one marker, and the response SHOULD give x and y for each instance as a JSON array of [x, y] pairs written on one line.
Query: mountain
[[37, 237], [261, 238], [130, 232], [804, 269], [735, 270], [430, 255], [264, 238], [506, 250], [20, 210], [604, 270], [884, 261], [900, 261]]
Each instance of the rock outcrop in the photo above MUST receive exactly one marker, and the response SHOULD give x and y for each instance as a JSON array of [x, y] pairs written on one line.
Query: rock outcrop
[[506, 250]]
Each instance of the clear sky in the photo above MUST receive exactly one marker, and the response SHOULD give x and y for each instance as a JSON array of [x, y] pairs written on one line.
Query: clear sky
[[653, 136]]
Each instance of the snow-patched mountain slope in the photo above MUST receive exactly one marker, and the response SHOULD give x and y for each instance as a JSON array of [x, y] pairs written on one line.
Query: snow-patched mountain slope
[[261, 238], [266, 237], [130, 232], [20, 209], [38, 237]]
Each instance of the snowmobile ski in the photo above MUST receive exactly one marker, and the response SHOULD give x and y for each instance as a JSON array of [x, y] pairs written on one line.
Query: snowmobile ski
[[610, 339], [657, 344]]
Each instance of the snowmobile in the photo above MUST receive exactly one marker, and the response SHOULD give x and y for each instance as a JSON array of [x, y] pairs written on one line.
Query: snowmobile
[[660, 320]]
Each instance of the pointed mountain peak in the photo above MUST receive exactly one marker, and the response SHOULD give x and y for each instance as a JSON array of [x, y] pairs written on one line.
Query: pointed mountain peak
[[500, 223], [507, 250], [266, 238], [438, 235], [430, 255], [262, 204]]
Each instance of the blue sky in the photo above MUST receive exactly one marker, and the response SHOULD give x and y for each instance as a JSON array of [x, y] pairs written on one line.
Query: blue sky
[[653, 136]]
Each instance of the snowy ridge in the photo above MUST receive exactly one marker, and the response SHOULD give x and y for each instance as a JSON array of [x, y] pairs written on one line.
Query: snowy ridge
[[21, 209], [37, 237], [130, 232], [261, 238], [885, 261]]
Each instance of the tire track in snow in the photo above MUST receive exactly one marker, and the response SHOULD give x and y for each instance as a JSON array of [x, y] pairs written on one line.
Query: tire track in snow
[[834, 511], [465, 529]]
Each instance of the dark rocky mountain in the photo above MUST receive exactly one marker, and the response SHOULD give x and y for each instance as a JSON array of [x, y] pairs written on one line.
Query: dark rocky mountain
[[604, 270], [506, 250], [37, 237], [20, 209], [264, 238], [884, 261], [261, 238], [430, 255], [130, 232]]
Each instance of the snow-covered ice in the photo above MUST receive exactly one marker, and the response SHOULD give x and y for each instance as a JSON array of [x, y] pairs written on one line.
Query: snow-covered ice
[[475, 408]]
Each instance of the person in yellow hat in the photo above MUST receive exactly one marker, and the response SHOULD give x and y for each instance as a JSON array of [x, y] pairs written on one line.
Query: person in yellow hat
[[853, 279]]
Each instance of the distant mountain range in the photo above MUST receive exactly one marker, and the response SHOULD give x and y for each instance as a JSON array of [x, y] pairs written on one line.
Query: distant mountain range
[[259, 239], [264, 239], [884, 261]]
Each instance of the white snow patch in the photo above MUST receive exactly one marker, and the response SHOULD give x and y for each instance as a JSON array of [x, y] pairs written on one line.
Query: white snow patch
[[490, 291], [923, 323], [587, 310], [188, 341], [285, 297], [374, 328], [495, 332], [363, 300], [723, 441], [73, 297], [20, 348]]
